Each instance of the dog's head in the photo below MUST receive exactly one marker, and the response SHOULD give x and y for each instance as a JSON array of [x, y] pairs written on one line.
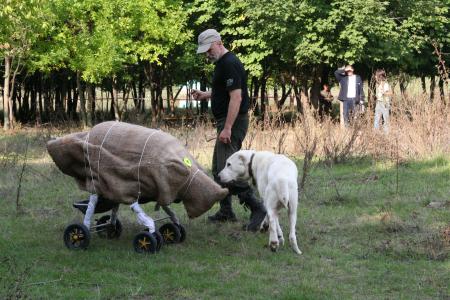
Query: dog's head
[[237, 167]]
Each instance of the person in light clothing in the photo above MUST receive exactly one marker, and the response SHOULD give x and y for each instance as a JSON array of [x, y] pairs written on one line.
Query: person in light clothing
[[383, 95], [351, 91]]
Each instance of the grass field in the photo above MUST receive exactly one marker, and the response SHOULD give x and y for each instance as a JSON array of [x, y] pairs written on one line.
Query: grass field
[[364, 227]]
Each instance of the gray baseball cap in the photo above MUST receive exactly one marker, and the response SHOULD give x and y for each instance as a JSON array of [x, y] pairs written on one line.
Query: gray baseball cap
[[206, 38]]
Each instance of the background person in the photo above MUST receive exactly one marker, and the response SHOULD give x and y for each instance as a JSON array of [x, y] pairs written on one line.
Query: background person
[[351, 91], [383, 95], [229, 105], [325, 100]]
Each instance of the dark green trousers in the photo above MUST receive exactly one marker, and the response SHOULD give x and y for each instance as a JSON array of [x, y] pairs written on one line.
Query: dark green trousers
[[223, 151]]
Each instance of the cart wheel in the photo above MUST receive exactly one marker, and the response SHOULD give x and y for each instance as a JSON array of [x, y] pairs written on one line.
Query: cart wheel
[[109, 231], [159, 240], [170, 232], [77, 236], [145, 242], [182, 232]]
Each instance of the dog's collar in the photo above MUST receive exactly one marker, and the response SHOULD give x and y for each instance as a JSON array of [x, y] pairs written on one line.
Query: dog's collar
[[250, 171]]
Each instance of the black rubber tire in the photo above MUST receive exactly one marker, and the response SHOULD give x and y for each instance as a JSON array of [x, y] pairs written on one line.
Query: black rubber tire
[[159, 240], [111, 232], [170, 233], [145, 242], [76, 236], [182, 232]]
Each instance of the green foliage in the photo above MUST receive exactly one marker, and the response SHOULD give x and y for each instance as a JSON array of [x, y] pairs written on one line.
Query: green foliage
[[101, 38], [273, 35], [20, 26]]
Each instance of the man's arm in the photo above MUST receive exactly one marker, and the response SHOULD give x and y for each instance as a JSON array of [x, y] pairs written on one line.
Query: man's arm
[[233, 111], [339, 74]]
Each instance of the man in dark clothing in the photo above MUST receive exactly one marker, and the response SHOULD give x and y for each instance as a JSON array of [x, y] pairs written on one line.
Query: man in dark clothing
[[351, 91], [325, 101], [229, 105]]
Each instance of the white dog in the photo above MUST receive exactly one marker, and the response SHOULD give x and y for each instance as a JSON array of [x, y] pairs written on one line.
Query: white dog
[[276, 179]]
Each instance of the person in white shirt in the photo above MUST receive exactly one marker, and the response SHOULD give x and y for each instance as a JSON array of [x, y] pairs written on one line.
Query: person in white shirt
[[383, 96]]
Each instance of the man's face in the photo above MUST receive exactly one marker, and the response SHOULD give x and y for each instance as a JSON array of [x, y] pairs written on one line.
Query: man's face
[[213, 54]]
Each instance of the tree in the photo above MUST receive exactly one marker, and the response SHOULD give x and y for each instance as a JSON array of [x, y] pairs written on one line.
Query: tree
[[21, 27]]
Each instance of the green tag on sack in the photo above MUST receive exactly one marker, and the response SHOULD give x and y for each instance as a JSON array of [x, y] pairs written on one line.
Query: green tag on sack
[[187, 162]]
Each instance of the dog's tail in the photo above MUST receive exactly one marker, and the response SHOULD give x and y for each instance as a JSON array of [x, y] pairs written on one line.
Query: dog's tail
[[283, 189]]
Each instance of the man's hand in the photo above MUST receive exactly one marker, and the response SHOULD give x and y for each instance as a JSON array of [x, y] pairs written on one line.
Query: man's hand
[[196, 94], [200, 95], [225, 136]]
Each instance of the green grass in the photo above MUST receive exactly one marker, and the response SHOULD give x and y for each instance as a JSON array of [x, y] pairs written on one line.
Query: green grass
[[371, 242]]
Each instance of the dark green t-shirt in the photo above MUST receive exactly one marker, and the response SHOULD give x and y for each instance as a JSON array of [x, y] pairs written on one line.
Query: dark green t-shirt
[[229, 74]]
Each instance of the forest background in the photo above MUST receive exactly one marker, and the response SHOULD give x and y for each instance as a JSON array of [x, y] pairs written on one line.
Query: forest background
[[87, 61]]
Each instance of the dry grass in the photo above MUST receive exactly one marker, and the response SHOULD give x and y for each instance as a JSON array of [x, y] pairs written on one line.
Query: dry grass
[[419, 129]]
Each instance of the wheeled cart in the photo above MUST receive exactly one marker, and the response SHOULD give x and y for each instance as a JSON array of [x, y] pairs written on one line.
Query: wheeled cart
[[78, 236]]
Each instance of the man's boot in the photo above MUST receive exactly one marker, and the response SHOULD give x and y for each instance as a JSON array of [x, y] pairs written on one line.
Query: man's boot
[[257, 209], [225, 213]]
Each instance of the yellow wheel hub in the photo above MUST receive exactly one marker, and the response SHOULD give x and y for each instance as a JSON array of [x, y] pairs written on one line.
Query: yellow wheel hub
[[168, 235], [76, 236], [144, 244]]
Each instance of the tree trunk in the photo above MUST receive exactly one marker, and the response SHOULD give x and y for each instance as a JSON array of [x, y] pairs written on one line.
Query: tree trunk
[[316, 86], [6, 107], [203, 104], [90, 105], [141, 91], [275, 94], [33, 98], [284, 95], [58, 98], [80, 89], [169, 99], [115, 99], [254, 99], [153, 106], [371, 87], [149, 73], [74, 105], [441, 89], [160, 101], [39, 110], [304, 92], [424, 87], [297, 94], [263, 96], [432, 87]]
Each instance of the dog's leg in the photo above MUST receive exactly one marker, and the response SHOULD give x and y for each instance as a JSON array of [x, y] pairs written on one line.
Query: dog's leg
[[273, 236], [280, 232], [264, 225], [292, 211]]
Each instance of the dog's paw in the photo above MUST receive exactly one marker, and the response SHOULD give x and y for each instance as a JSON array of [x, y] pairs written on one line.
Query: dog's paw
[[273, 246], [264, 228], [281, 239]]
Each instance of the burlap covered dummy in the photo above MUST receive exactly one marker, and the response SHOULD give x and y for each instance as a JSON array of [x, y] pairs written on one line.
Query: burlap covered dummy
[[126, 163]]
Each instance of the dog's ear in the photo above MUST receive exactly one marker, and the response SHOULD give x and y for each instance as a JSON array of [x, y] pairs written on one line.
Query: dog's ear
[[242, 157]]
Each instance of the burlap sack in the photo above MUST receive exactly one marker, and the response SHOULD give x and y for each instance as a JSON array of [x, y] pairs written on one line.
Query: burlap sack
[[124, 163]]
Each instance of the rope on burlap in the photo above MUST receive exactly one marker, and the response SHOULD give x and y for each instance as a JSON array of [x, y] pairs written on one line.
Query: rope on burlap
[[139, 165], [86, 142], [100, 150], [191, 178]]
